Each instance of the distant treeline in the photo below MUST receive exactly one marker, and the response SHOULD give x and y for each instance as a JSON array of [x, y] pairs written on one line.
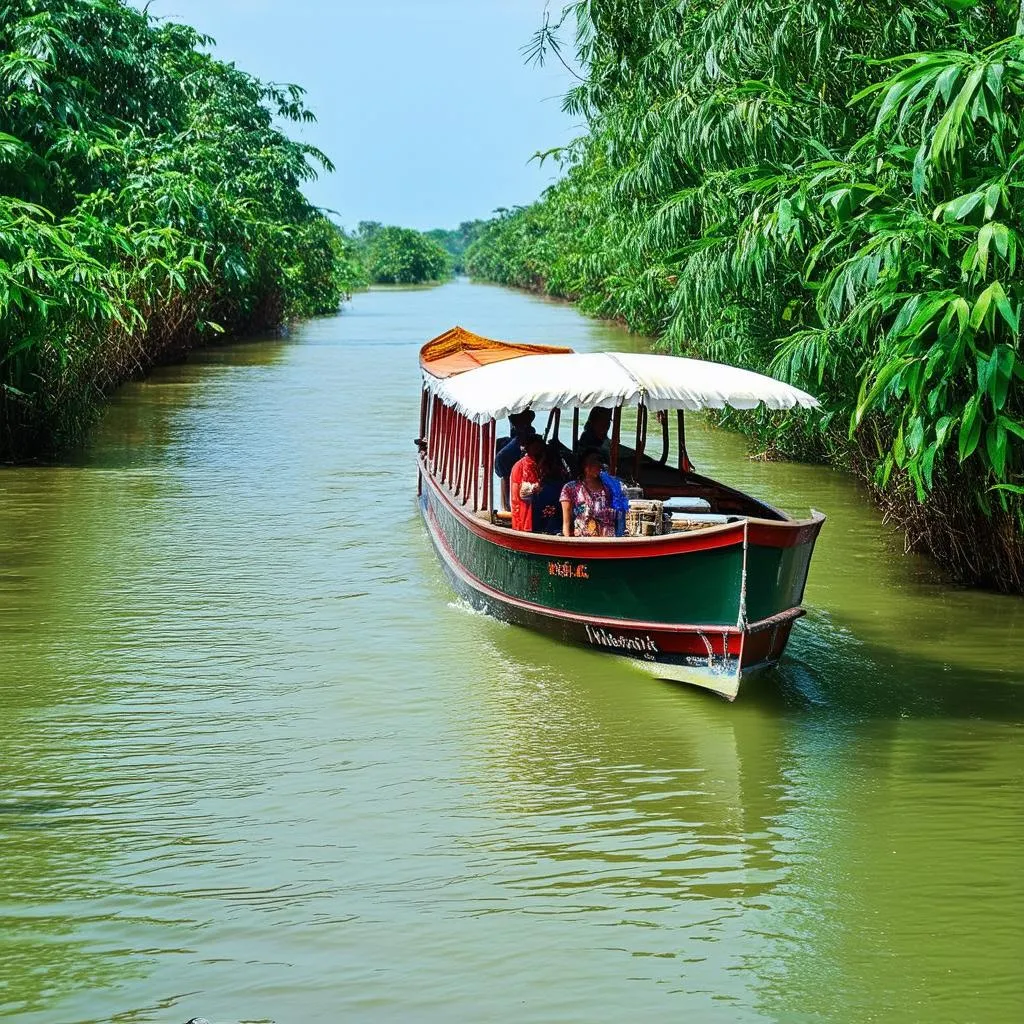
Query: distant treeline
[[393, 255], [456, 242], [147, 203], [829, 191]]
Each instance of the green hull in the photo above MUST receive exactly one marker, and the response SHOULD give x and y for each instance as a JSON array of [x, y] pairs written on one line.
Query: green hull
[[702, 607]]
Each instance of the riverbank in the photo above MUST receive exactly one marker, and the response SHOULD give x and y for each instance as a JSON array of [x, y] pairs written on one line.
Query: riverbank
[[949, 526], [149, 203]]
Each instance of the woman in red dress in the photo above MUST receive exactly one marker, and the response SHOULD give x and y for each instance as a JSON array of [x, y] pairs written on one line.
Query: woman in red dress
[[524, 483]]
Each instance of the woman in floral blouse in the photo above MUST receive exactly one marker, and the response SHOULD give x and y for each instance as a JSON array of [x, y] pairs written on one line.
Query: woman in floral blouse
[[586, 502]]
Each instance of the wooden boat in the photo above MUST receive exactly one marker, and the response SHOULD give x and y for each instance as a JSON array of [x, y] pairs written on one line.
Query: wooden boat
[[707, 603]]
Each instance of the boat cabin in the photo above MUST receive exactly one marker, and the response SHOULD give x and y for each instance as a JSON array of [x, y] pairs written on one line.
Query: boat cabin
[[707, 582], [471, 384]]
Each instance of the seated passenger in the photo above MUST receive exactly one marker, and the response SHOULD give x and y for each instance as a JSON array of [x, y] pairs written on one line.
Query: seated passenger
[[518, 423], [520, 427], [587, 509], [509, 455], [524, 484], [547, 512], [595, 432]]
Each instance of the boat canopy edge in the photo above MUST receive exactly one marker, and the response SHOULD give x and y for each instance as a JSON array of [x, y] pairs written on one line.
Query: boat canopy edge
[[499, 388]]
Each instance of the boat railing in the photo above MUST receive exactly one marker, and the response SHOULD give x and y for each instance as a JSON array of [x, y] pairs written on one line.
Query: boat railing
[[458, 454]]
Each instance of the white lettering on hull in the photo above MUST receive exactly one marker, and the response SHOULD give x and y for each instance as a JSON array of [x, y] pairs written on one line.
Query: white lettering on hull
[[601, 637]]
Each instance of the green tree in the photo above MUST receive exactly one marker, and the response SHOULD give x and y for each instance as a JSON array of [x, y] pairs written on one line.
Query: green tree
[[825, 190], [402, 256], [456, 242], [148, 200]]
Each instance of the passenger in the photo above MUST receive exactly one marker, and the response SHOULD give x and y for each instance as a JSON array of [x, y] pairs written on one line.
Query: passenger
[[506, 459], [587, 509], [524, 484], [595, 432], [509, 450], [518, 423], [547, 512]]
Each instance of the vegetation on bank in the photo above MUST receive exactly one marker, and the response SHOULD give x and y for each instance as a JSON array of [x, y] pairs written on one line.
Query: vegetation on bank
[[147, 203], [824, 190], [393, 255], [456, 242]]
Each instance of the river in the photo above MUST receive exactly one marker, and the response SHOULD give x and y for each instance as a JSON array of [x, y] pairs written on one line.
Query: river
[[257, 763]]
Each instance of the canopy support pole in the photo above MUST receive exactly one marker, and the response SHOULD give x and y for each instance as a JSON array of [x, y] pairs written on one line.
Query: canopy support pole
[[445, 432], [449, 445], [438, 436], [641, 440], [663, 420], [549, 426], [613, 457], [421, 441], [477, 445], [685, 465], [439, 440], [467, 440], [488, 461], [457, 464], [439, 443], [432, 439], [456, 445], [575, 427]]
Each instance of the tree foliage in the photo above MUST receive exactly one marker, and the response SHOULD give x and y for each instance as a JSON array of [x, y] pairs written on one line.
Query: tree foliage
[[828, 191], [394, 255], [457, 241], [147, 200]]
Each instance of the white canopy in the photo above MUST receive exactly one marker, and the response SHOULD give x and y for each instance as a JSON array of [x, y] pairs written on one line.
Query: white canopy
[[586, 379]]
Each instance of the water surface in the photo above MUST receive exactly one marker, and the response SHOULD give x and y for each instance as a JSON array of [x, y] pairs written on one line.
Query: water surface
[[258, 764]]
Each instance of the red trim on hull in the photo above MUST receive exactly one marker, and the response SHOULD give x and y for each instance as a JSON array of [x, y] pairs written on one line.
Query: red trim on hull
[[781, 535]]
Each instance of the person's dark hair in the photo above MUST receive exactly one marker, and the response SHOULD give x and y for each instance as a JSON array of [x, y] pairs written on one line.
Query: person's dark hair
[[532, 440], [551, 465], [584, 456], [598, 412]]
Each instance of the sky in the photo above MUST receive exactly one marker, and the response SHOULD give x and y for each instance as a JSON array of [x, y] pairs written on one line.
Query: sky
[[425, 107]]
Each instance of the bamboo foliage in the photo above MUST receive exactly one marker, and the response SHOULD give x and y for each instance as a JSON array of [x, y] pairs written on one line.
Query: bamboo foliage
[[147, 199], [826, 190]]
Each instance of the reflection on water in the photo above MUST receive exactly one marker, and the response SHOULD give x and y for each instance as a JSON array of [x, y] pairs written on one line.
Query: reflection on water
[[258, 763]]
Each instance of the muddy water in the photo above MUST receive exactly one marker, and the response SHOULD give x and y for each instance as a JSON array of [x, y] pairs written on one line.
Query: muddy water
[[258, 765]]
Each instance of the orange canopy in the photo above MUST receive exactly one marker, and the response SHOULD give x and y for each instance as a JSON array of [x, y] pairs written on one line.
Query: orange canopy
[[458, 350]]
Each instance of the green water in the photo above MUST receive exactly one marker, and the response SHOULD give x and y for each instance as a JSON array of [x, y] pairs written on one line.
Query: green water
[[257, 764]]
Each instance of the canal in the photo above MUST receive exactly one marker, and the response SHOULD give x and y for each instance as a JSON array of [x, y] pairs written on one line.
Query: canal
[[257, 764]]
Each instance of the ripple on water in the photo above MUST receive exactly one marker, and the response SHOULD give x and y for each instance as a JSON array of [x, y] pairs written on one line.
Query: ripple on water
[[260, 764]]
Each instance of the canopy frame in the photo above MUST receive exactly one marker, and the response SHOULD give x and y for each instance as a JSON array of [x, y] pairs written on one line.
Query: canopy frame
[[547, 381]]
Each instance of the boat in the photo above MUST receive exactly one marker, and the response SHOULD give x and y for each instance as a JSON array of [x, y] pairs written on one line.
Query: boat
[[706, 594]]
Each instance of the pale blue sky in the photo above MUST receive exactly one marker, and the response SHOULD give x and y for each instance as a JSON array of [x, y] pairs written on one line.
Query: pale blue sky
[[425, 106]]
